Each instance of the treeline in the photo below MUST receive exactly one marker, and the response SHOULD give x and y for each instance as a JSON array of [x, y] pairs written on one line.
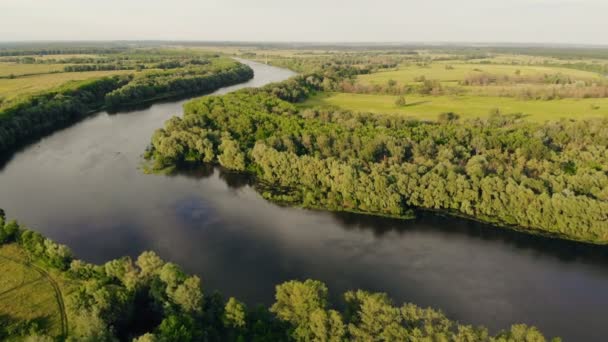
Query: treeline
[[423, 86], [546, 92], [98, 67], [534, 87], [550, 178], [130, 64], [41, 114], [148, 299], [485, 78], [354, 63], [20, 51], [182, 82]]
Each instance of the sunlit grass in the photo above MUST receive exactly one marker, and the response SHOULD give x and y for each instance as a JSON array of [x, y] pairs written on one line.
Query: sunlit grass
[[26, 294], [17, 69], [12, 88], [430, 107], [457, 72]]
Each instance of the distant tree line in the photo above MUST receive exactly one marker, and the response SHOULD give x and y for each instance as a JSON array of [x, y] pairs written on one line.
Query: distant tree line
[[97, 67], [148, 299], [18, 51], [126, 64], [550, 178]]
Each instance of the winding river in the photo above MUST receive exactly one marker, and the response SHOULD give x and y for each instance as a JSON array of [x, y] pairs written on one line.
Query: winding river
[[83, 186]]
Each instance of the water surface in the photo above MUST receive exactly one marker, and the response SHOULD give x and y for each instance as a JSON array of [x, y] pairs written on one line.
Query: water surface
[[82, 186]]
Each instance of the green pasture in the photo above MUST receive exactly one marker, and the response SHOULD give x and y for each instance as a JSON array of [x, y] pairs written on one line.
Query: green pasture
[[453, 72], [466, 106]]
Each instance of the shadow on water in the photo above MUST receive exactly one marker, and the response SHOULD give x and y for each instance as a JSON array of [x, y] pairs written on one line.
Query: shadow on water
[[234, 180], [564, 250], [448, 226], [24, 144]]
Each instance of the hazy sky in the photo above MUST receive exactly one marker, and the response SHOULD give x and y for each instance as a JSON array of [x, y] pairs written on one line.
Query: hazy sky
[[562, 21]]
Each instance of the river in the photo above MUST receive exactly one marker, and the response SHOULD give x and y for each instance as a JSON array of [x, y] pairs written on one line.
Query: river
[[83, 186]]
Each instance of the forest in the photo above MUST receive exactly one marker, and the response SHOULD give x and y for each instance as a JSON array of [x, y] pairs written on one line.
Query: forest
[[548, 178], [148, 299]]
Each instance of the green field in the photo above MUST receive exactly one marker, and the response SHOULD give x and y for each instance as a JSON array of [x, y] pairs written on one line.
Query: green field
[[429, 107], [438, 71], [31, 293], [17, 69], [12, 88]]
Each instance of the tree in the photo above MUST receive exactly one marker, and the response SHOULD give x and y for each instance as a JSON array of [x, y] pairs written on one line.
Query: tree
[[88, 326], [8, 231], [177, 328], [296, 301], [234, 314], [373, 318], [188, 295], [149, 263], [521, 332], [327, 326], [231, 156], [477, 167], [400, 102], [147, 337]]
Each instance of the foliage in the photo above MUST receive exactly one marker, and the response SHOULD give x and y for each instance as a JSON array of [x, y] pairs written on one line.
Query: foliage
[[110, 299]]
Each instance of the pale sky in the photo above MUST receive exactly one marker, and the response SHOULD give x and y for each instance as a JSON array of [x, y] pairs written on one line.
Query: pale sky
[[522, 21]]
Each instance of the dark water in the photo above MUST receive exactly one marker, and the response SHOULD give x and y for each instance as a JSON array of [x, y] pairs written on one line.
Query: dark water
[[82, 187]]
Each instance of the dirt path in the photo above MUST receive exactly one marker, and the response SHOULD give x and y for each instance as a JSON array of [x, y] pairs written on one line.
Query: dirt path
[[56, 289]]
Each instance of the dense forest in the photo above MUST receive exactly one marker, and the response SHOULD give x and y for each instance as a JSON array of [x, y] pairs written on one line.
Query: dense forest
[[42, 113], [550, 178], [148, 299]]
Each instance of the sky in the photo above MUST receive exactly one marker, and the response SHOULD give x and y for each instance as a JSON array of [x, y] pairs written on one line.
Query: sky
[[517, 21]]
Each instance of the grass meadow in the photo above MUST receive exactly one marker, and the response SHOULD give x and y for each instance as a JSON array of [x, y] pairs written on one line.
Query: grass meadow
[[454, 72], [430, 107], [12, 88], [30, 294]]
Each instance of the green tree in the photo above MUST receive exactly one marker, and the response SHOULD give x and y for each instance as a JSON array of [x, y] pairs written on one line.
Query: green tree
[[295, 303], [149, 263], [400, 102], [188, 295], [231, 156], [234, 314]]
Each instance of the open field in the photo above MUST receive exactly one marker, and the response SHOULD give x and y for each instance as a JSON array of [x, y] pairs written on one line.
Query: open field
[[18, 69], [440, 72], [30, 293], [429, 107], [11, 88]]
